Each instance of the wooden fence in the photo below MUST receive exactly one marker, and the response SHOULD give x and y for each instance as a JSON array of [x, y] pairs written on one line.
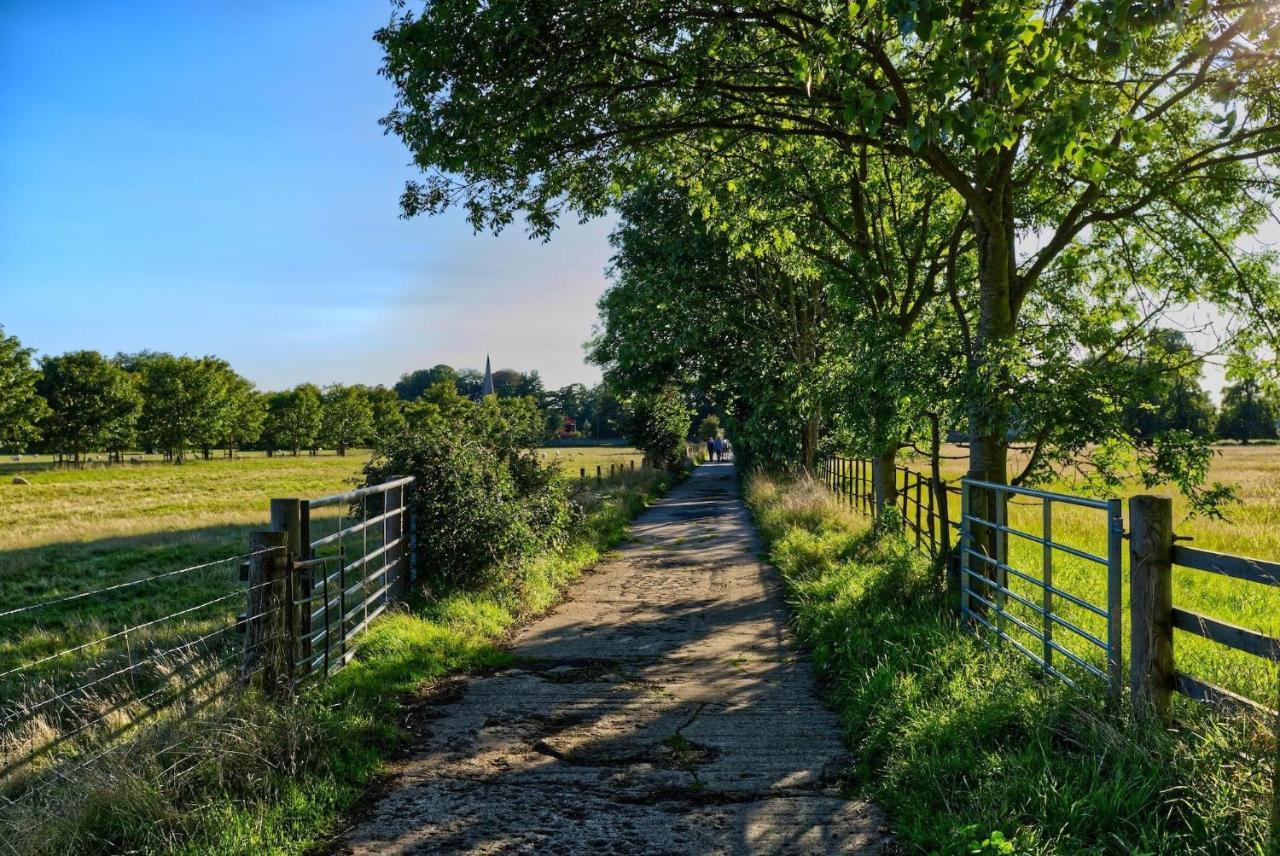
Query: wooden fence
[[983, 576], [925, 520], [317, 594]]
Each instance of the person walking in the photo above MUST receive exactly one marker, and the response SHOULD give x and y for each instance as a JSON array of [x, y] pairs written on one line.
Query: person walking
[[711, 448]]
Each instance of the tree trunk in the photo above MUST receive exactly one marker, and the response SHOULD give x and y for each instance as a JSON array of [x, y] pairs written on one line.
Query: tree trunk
[[809, 445], [342, 450], [988, 409], [884, 479]]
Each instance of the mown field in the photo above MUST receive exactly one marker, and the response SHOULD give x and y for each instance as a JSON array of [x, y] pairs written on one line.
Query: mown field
[[71, 531], [243, 776], [1251, 527], [572, 460]]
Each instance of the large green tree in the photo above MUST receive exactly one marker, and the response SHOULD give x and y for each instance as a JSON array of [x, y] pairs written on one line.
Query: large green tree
[[295, 418], [1051, 122], [185, 402], [94, 404], [346, 417], [1247, 414], [413, 384], [21, 407]]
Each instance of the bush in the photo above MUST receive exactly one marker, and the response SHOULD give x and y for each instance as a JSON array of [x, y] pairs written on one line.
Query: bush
[[659, 426], [482, 499]]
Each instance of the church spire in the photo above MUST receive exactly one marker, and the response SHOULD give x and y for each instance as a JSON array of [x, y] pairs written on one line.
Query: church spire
[[486, 388]]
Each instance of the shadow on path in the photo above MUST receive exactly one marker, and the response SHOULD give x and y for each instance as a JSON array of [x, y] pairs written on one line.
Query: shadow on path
[[662, 709]]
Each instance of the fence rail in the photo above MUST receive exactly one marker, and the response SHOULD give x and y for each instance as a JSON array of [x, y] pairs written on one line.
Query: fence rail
[[924, 518], [1015, 596]]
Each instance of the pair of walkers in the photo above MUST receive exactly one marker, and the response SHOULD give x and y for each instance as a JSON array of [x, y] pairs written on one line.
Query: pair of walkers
[[717, 448]]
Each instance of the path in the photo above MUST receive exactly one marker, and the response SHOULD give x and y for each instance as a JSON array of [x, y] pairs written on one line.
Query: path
[[662, 709]]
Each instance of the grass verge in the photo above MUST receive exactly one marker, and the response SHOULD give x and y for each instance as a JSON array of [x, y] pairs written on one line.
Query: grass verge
[[966, 747], [246, 776]]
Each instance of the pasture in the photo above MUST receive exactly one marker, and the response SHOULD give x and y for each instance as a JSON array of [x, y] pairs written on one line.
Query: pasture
[[73, 530], [1250, 528], [571, 459]]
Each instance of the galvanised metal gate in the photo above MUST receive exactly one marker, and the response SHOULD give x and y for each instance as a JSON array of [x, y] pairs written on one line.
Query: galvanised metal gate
[[1005, 593]]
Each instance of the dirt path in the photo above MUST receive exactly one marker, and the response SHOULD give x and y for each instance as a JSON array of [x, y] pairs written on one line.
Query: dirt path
[[662, 709]]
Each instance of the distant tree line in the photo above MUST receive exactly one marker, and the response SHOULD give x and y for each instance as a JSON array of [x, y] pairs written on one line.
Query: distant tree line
[[84, 403], [593, 412]]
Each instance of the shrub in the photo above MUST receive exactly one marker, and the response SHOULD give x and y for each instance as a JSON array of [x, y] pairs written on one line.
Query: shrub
[[482, 500], [658, 426]]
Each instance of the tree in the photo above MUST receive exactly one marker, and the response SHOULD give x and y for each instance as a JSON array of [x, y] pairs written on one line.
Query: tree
[[1056, 126], [346, 417], [94, 404], [21, 407], [185, 402], [1165, 389], [245, 417], [388, 413], [469, 383], [659, 427], [442, 402], [1246, 413], [294, 418], [709, 428], [666, 320], [413, 384]]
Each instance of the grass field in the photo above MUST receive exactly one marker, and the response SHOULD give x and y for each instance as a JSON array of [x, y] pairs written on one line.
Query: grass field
[[572, 460], [1251, 528], [247, 776], [967, 747], [72, 531]]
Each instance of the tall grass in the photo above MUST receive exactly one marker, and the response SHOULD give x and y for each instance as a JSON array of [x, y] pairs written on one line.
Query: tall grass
[[246, 776], [967, 747]]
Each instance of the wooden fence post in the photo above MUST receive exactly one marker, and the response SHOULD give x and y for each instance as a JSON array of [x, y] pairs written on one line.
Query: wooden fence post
[[293, 517], [1151, 605], [269, 629], [597, 475]]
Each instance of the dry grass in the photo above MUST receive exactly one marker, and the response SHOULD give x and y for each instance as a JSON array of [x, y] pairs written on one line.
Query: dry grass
[[573, 460]]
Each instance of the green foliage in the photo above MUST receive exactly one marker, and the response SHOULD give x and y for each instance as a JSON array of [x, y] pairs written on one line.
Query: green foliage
[[21, 407], [388, 414], [245, 416], [185, 401], [346, 417], [709, 428], [1164, 389], [294, 418], [1247, 414], [483, 501], [413, 384], [94, 404], [1021, 167], [659, 427], [966, 746]]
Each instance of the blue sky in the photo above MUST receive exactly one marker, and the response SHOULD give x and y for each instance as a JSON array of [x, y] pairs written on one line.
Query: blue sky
[[210, 178]]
